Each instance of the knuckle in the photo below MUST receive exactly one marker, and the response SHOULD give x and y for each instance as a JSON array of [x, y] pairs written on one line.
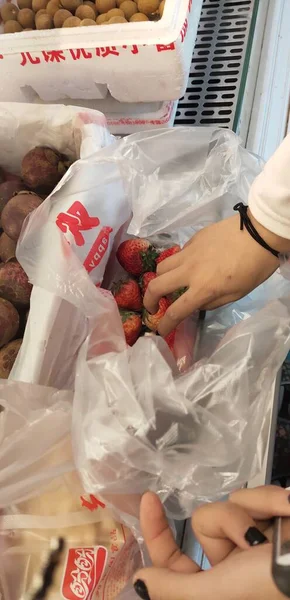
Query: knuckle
[[172, 314]]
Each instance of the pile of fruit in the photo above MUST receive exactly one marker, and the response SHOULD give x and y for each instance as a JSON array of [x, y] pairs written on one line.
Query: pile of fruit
[[50, 14], [41, 170], [140, 259]]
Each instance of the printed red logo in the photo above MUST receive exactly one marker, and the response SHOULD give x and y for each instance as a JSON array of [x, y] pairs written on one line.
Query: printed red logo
[[92, 504], [98, 249], [76, 220], [84, 571]]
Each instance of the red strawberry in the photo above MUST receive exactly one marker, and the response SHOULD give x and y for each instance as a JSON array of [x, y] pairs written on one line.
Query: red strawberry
[[168, 252], [170, 339], [127, 294], [132, 325], [145, 280], [137, 256], [152, 321]]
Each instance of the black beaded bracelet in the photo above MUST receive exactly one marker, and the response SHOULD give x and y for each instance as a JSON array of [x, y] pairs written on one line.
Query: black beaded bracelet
[[247, 223]]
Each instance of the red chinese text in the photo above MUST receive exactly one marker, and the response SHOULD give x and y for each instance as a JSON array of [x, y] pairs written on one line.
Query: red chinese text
[[27, 58], [80, 53], [53, 56], [134, 49], [93, 503], [103, 52], [162, 48], [76, 220], [184, 30]]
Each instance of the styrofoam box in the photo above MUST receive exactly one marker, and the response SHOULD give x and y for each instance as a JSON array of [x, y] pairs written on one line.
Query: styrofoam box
[[125, 118], [136, 62]]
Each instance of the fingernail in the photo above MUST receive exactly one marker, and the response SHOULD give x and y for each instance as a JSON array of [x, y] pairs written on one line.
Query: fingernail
[[255, 537], [141, 589], [289, 498]]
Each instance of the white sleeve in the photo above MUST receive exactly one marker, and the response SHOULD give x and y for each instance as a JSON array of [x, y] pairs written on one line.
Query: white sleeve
[[269, 198]]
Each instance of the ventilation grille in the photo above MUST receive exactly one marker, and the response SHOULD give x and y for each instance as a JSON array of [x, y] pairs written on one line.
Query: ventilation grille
[[218, 63]]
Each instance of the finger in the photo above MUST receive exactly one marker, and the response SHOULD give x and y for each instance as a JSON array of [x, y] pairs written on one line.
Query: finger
[[164, 584], [159, 539], [247, 575], [263, 502], [179, 310], [161, 286], [222, 526], [170, 263]]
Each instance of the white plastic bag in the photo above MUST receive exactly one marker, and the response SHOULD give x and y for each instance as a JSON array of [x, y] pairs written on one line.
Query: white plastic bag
[[137, 423], [42, 499]]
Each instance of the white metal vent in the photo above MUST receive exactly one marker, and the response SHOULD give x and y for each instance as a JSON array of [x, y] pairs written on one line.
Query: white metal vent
[[219, 63]]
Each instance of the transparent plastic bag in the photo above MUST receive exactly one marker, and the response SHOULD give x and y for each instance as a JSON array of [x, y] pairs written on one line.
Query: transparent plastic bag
[[138, 423], [42, 499]]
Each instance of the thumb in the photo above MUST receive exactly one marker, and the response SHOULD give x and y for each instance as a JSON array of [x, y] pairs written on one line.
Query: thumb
[[164, 584]]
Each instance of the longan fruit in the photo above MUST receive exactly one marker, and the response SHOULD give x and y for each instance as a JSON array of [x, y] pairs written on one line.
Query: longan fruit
[[117, 20], [26, 18], [44, 21], [147, 7], [101, 19], [39, 5], [92, 5], [42, 11], [60, 17], [72, 22], [138, 17], [114, 12], [9, 12], [52, 7], [88, 23], [104, 5], [12, 27], [71, 5], [85, 12], [24, 4], [129, 8]]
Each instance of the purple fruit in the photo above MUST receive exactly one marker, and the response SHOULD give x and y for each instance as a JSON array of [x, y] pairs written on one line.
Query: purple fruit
[[8, 355], [7, 190], [14, 284], [43, 167], [9, 322], [15, 212]]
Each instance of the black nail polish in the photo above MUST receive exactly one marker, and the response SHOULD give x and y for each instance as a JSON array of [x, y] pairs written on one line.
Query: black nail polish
[[255, 537], [141, 589]]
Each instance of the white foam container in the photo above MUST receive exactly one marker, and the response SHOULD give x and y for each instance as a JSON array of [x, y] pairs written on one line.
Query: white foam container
[[125, 118], [136, 62]]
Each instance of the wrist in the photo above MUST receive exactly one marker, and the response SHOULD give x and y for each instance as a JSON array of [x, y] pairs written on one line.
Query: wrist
[[280, 244]]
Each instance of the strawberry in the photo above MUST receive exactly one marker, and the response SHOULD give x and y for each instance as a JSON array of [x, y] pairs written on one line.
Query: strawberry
[[132, 325], [127, 294], [167, 252], [137, 256], [170, 339], [152, 321], [145, 280]]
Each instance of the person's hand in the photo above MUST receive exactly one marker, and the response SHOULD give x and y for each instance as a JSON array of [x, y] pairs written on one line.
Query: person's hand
[[219, 265], [235, 537]]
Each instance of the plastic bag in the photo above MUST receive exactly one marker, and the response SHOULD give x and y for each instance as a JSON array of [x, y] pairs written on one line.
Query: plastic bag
[[42, 499], [137, 423]]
